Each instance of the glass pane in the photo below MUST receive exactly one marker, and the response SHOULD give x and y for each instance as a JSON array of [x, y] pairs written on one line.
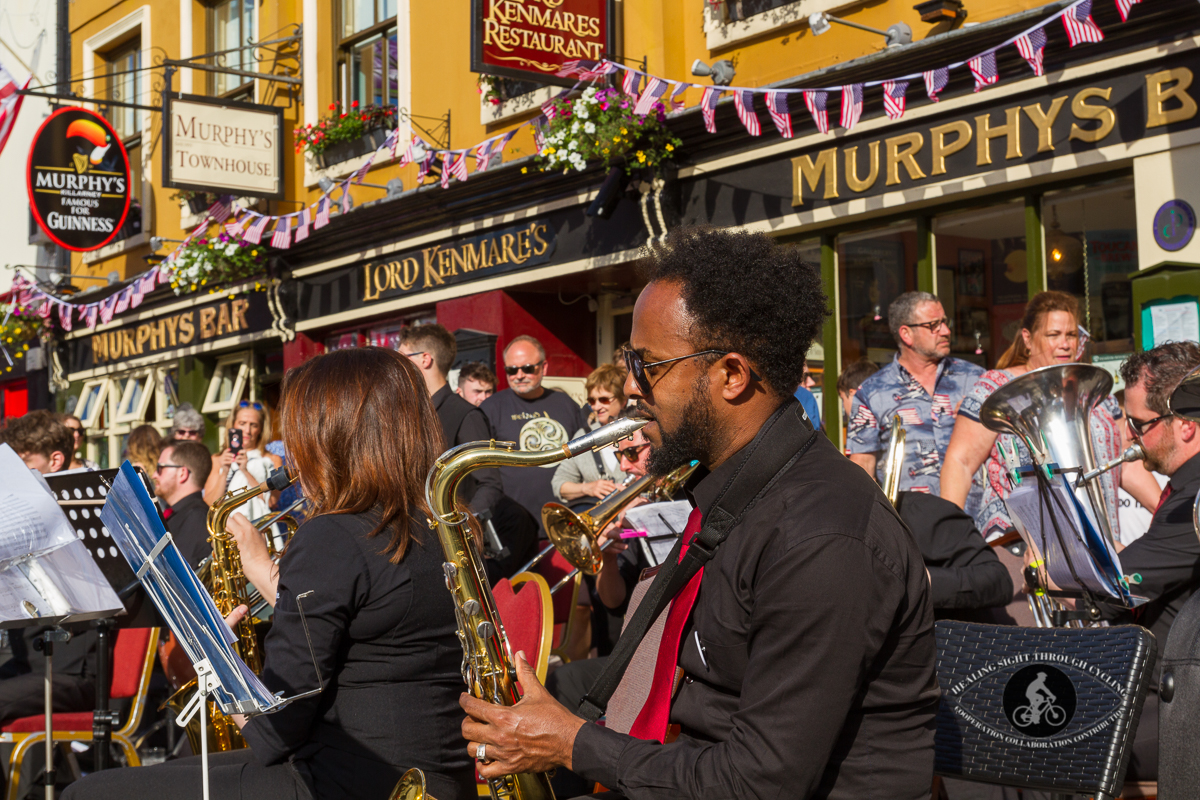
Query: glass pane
[[233, 26], [1091, 247], [124, 84], [385, 336], [90, 399], [874, 268], [98, 451], [387, 8], [357, 15], [225, 378], [981, 278], [133, 399], [170, 391]]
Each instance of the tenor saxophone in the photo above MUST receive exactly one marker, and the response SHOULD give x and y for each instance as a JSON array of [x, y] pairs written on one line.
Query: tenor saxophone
[[487, 665]]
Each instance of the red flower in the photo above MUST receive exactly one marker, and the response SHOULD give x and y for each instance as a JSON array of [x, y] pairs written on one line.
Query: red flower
[[332, 106], [354, 104]]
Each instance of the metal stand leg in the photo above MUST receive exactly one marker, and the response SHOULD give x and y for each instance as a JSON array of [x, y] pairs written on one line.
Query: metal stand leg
[[206, 682], [102, 720], [46, 645]]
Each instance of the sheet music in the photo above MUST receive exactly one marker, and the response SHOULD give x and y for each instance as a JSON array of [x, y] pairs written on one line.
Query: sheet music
[[660, 520]]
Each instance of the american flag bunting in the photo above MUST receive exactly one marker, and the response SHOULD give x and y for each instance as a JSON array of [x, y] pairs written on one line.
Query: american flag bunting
[[777, 107], [64, 315], [90, 314], [599, 71], [743, 101], [550, 109], [282, 238], [1080, 25], [983, 67], [458, 167], [708, 107], [1030, 46], [677, 95], [360, 173], [895, 98], [221, 210], [483, 153], [935, 81], [10, 103], [257, 228], [631, 82], [1123, 8], [302, 228], [818, 106], [574, 67], [322, 213], [344, 201], [447, 158], [236, 226], [852, 105], [655, 89], [106, 308]]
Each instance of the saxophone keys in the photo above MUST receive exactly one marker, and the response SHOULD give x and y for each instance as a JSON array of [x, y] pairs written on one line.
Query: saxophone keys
[[485, 630], [471, 608]]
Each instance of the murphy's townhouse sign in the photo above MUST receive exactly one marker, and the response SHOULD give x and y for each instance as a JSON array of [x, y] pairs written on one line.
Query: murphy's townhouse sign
[[78, 179], [1060, 120], [223, 147], [531, 39]]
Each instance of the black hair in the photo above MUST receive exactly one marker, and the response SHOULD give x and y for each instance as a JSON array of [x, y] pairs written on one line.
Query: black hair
[[746, 294]]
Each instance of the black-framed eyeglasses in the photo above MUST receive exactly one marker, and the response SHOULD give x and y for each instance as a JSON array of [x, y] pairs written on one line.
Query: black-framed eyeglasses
[[931, 326], [528, 369], [410, 355], [632, 452], [637, 367], [1138, 427], [160, 467]]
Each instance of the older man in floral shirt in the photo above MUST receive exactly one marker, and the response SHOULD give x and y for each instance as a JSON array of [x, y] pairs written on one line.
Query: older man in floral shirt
[[923, 386]]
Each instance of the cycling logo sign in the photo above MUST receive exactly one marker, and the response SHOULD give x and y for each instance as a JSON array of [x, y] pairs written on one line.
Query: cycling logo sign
[[1039, 700]]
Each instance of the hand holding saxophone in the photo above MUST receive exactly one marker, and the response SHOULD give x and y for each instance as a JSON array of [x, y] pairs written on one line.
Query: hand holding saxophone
[[257, 565], [535, 735]]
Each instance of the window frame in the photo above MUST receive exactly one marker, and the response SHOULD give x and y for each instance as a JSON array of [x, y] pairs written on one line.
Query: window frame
[[242, 361], [105, 384], [247, 88], [143, 379], [344, 59]]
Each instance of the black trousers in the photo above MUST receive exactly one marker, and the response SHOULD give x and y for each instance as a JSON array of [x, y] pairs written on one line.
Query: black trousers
[[569, 683], [231, 776], [23, 695]]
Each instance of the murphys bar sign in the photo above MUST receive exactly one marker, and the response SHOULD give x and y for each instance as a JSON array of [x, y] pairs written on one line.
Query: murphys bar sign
[[78, 179], [1062, 119], [531, 39], [223, 147]]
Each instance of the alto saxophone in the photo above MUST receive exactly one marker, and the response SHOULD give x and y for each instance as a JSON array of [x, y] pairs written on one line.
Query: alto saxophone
[[222, 575], [487, 665]]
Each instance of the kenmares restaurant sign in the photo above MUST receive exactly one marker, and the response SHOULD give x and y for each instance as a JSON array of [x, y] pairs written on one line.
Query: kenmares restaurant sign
[[78, 179], [1061, 120], [200, 325], [532, 39]]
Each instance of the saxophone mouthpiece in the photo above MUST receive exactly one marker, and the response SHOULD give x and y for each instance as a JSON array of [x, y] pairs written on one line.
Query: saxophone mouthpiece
[[279, 480], [611, 433]]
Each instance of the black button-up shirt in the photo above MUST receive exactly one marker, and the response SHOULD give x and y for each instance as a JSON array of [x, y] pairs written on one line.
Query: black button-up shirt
[[462, 423], [188, 524], [809, 655]]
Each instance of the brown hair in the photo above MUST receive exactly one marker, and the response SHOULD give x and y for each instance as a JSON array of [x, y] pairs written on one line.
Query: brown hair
[[191, 454], [1162, 368], [361, 432], [477, 371], [433, 339], [40, 432], [1036, 310], [607, 376], [853, 376], [264, 416], [143, 447]]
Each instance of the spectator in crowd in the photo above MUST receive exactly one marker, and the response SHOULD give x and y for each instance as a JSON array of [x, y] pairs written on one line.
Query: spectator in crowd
[[851, 378], [476, 382], [432, 349], [179, 476], [43, 442], [807, 399], [188, 423], [76, 425], [535, 417], [585, 479], [247, 466], [922, 387], [142, 447]]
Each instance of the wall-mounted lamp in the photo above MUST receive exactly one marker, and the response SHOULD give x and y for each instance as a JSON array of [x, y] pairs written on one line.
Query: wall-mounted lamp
[[940, 10], [721, 72], [896, 35], [157, 242]]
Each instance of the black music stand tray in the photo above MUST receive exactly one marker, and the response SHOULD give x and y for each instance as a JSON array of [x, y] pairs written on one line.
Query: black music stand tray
[[81, 495]]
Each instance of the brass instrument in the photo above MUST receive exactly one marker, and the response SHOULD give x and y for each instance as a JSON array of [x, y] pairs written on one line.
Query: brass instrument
[[487, 665], [894, 463], [1185, 403], [223, 577], [577, 536]]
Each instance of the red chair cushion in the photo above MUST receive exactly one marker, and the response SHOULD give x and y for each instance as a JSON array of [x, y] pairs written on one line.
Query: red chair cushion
[[75, 721], [129, 656], [521, 613], [554, 569]]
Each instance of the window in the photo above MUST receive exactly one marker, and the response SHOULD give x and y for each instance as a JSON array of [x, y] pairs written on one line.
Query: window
[[232, 23], [111, 407], [124, 82], [91, 401], [874, 268], [227, 383], [367, 58], [135, 399], [981, 278], [741, 9]]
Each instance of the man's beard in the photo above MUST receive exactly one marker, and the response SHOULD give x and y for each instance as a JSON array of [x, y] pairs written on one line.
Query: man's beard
[[1158, 459], [692, 440]]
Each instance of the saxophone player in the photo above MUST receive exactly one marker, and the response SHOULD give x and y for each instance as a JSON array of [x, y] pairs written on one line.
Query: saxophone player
[[367, 572], [806, 641]]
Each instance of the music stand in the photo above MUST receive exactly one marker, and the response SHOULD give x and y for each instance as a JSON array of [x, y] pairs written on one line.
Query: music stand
[[81, 495]]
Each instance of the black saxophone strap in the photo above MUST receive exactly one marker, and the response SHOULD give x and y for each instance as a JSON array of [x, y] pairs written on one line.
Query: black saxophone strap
[[784, 438]]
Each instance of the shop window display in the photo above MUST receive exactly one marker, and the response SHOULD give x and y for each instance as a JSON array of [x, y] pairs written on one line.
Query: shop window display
[[874, 268]]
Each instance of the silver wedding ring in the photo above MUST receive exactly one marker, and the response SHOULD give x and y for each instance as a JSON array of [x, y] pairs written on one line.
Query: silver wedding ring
[[481, 752]]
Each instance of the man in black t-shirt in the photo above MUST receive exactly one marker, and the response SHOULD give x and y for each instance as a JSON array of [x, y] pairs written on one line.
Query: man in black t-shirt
[[534, 417], [179, 477]]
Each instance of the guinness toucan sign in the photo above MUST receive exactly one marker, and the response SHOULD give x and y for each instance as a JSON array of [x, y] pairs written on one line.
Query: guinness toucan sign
[[78, 179]]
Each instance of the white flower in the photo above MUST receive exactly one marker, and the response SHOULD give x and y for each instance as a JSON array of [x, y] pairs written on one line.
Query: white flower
[[589, 128], [573, 145]]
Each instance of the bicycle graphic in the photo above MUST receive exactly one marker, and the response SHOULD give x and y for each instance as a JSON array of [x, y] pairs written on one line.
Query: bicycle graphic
[[1042, 706]]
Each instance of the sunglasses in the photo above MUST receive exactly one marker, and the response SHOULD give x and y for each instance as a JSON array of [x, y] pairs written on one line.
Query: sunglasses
[[528, 369], [931, 326], [1138, 427], [637, 366], [631, 453], [248, 404], [603, 401], [160, 466], [186, 432]]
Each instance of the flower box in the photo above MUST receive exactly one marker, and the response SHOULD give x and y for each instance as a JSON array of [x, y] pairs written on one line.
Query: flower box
[[344, 151]]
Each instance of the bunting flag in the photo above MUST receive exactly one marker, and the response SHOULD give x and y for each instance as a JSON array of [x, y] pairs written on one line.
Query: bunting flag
[[743, 100], [1080, 25], [257, 228], [322, 213], [677, 95], [90, 313], [302, 228], [575, 66], [426, 165], [10, 104], [64, 316], [852, 105], [895, 98], [458, 167], [818, 106], [935, 81], [655, 89], [122, 304], [631, 82], [221, 210], [983, 67], [344, 201], [550, 109], [139, 290], [777, 107], [446, 157], [708, 107], [236, 226], [483, 154], [1123, 8], [410, 154], [360, 173], [1030, 46], [282, 238], [599, 71], [106, 308]]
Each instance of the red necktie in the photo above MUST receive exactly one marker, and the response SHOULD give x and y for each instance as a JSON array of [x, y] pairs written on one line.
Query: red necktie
[[652, 720], [1166, 493], [167, 514]]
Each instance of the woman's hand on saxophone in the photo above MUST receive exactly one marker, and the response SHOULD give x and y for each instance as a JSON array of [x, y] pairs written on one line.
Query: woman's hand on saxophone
[[535, 735], [257, 565]]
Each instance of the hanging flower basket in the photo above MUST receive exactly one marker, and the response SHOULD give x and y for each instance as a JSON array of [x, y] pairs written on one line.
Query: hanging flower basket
[[600, 125], [209, 263], [342, 137]]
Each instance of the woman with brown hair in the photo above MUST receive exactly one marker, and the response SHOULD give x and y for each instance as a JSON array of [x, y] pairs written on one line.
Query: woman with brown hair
[[591, 476], [1049, 335], [142, 448], [362, 435]]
